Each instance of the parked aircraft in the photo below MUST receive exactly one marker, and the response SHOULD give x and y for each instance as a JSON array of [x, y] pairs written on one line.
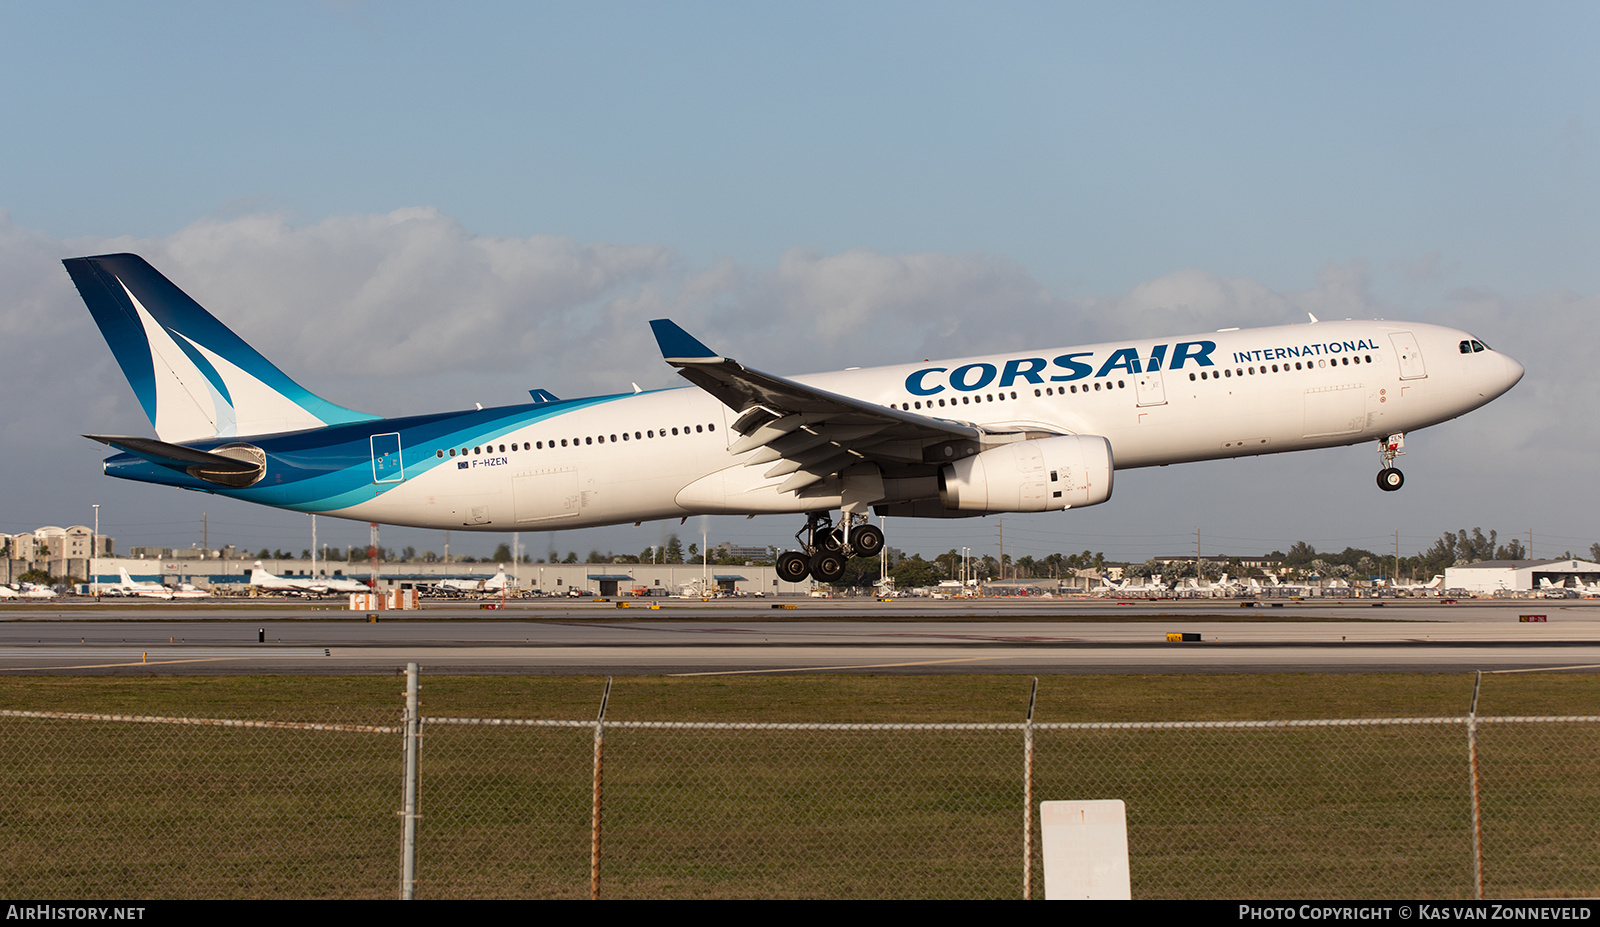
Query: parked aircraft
[[27, 591], [1200, 588], [494, 583], [1033, 430], [1431, 585], [1279, 587], [1152, 587], [128, 587], [323, 585]]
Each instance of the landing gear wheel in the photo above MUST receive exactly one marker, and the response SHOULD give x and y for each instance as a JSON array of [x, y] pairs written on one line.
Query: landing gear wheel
[[1390, 479], [793, 567], [827, 567], [831, 540], [866, 541]]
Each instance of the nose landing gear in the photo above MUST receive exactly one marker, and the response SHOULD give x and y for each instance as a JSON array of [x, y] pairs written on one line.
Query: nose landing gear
[[1390, 478]]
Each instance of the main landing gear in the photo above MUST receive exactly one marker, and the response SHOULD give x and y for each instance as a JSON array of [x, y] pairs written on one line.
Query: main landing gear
[[824, 548], [1390, 478]]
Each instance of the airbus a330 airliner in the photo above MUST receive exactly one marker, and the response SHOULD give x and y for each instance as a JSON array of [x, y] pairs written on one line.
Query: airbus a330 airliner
[[1035, 430]]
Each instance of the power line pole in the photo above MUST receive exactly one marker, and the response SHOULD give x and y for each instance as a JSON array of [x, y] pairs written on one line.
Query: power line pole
[[373, 545]]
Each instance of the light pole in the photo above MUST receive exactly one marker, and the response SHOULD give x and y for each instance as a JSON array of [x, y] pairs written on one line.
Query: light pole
[[94, 541]]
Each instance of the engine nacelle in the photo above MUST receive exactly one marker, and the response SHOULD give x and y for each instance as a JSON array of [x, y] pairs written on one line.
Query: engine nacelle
[[1046, 475]]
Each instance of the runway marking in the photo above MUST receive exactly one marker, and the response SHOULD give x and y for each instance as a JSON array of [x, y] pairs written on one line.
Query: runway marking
[[19, 669], [813, 669], [1550, 669]]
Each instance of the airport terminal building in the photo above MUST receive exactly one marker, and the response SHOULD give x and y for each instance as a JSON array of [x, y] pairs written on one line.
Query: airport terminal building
[[232, 575]]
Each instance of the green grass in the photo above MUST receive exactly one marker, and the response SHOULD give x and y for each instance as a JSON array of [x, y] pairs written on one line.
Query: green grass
[[101, 810]]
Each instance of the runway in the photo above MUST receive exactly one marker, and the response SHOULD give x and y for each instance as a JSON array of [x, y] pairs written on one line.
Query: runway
[[832, 636]]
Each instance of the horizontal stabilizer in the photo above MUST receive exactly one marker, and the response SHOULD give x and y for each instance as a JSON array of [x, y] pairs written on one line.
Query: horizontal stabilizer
[[174, 455], [232, 465]]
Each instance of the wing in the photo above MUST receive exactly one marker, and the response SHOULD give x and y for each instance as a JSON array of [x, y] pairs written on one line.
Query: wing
[[810, 433]]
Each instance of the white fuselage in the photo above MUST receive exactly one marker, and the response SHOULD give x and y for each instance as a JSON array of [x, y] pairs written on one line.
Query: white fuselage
[[1222, 394]]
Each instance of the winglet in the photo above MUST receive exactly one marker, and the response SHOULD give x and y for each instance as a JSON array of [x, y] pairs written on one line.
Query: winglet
[[678, 345]]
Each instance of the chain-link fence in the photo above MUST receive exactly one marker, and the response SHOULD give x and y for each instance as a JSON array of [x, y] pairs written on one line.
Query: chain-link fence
[[121, 806], [108, 806]]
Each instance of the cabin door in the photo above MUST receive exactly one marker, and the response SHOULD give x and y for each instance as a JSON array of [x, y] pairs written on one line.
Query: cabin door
[[1147, 386], [1405, 348]]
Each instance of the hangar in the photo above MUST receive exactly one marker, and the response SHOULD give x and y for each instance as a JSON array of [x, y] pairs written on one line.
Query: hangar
[[1491, 576]]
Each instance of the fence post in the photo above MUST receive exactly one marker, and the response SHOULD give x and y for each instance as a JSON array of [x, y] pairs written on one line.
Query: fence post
[[408, 813], [594, 832], [1027, 796], [1477, 818]]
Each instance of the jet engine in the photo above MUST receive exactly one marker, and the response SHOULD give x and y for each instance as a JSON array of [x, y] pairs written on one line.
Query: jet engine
[[1044, 475]]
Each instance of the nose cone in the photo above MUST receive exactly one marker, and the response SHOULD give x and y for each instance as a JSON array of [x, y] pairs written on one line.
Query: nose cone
[[1513, 374]]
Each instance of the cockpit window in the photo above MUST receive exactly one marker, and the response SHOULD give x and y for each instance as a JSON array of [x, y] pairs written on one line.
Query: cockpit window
[[1478, 346], [1466, 347]]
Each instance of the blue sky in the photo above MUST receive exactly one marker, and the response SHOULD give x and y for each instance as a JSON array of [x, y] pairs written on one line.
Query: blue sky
[[874, 180]]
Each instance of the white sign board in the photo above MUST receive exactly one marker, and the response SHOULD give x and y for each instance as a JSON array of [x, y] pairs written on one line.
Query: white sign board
[[1085, 849]]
